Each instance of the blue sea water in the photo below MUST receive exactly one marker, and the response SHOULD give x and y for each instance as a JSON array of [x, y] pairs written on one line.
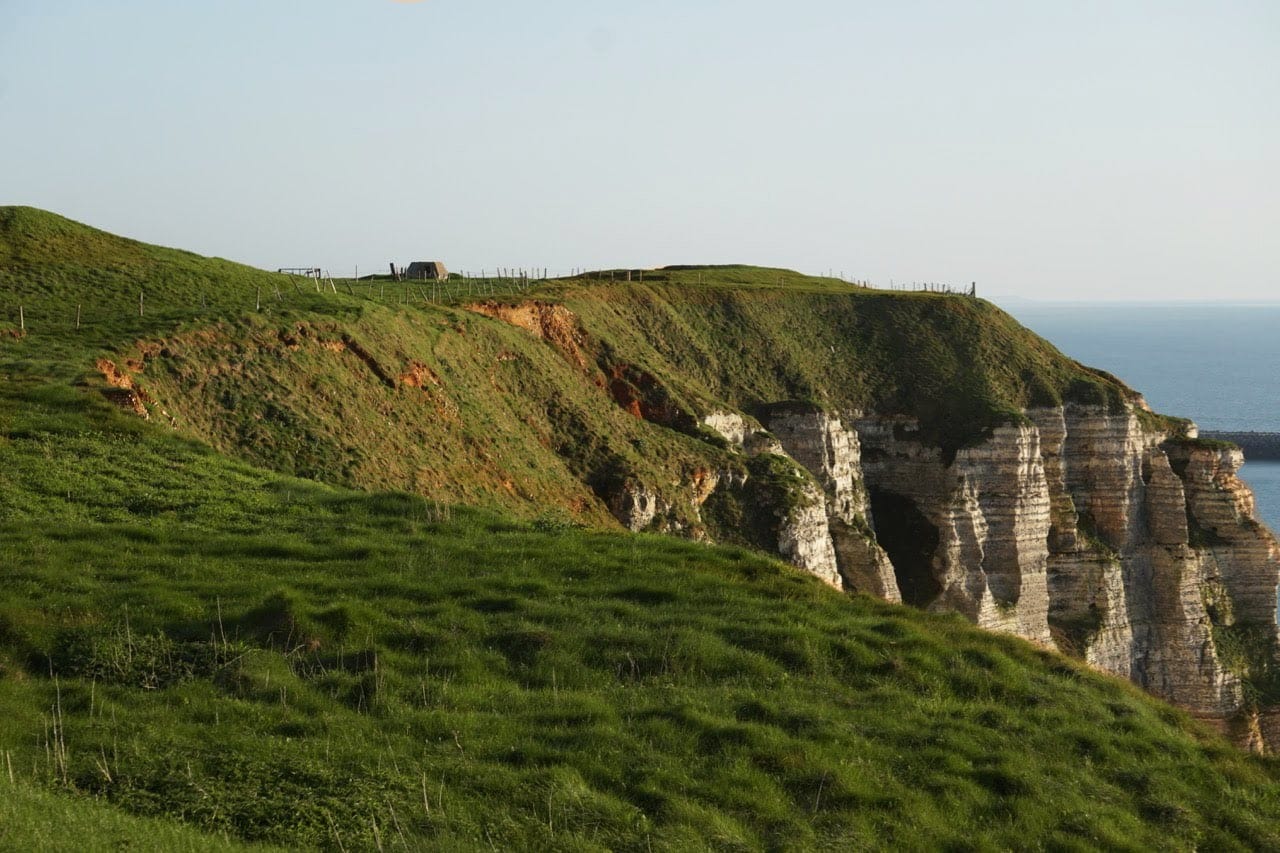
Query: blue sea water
[[1216, 364]]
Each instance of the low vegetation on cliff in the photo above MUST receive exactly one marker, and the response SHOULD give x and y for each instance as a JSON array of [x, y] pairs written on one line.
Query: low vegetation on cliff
[[526, 401], [199, 649]]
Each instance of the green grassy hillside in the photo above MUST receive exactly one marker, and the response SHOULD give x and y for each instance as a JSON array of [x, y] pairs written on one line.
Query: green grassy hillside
[[206, 646], [959, 365], [443, 390]]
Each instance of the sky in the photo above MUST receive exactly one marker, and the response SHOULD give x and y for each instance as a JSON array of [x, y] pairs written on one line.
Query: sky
[[1046, 150]]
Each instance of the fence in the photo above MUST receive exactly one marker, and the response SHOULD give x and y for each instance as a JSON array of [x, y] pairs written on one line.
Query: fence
[[38, 301], [35, 302]]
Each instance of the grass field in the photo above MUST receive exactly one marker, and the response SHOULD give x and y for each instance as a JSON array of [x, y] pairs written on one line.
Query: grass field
[[197, 651], [35, 819]]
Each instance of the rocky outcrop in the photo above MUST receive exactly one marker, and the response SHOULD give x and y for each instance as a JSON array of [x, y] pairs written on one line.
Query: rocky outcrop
[[804, 536], [990, 509], [730, 426], [831, 453], [1078, 528], [1130, 548], [1224, 527], [636, 506], [1089, 528], [792, 509]]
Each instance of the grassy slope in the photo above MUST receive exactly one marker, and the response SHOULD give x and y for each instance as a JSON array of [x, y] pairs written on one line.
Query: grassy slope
[[959, 365], [504, 419], [499, 418], [295, 663], [35, 819]]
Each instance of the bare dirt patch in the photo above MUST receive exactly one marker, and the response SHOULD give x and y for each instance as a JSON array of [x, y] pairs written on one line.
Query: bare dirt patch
[[123, 391], [554, 324], [418, 375]]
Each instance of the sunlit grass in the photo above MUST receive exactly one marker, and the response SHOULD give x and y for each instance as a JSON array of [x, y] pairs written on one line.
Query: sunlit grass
[[283, 661], [193, 648]]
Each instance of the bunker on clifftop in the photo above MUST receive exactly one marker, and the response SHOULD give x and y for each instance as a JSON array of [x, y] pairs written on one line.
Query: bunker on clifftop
[[426, 270]]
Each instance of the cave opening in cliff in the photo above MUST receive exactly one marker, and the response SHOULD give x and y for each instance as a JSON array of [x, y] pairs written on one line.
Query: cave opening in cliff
[[910, 540]]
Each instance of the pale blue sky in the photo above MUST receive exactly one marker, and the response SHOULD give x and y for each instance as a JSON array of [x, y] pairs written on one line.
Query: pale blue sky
[[1094, 149]]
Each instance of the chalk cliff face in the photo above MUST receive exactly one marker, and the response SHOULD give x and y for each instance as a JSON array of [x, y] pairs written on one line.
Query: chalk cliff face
[[802, 526], [831, 453], [989, 510], [1078, 528]]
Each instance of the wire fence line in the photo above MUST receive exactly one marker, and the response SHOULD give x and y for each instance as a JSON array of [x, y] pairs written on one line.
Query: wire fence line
[[37, 307], [34, 304]]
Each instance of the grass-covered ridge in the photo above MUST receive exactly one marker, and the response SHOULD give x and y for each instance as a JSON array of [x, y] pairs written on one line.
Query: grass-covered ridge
[[432, 389], [214, 648], [441, 390], [959, 365]]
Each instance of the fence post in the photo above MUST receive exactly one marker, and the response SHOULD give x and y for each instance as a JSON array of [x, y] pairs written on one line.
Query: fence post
[[77, 316], [22, 319], [141, 312]]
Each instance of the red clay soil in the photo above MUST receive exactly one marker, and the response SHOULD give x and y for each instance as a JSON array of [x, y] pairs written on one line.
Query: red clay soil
[[554, 324], [634, 389], [123, 391], [418, 375], [642, 394]]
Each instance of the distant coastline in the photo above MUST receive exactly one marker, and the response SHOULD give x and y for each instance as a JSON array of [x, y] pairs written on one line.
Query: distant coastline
[[1256, 445]]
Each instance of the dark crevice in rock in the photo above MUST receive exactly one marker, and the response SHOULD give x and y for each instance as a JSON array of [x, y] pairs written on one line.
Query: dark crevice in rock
[[1005, 582], [910, 540]]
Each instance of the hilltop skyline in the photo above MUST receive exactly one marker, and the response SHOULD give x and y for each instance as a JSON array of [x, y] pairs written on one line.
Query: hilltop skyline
[[1093, 153]]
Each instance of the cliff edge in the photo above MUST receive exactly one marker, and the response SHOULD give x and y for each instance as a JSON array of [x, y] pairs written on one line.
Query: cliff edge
[[922, 448]]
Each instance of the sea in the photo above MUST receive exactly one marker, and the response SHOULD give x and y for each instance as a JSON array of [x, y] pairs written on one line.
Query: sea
[[1218, 364]]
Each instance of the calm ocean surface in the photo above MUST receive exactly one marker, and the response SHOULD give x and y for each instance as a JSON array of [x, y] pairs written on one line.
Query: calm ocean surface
[[1216, 364]]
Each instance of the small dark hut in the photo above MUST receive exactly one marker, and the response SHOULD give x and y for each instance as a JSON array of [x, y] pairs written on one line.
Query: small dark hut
[[426, 270]]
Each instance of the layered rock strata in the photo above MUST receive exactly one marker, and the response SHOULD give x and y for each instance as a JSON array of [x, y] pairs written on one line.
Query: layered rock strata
[[831, 453], [1078, 528], [802, 529]]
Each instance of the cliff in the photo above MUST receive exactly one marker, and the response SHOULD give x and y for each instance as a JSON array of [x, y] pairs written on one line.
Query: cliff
[[533, 677], [1256, 445], [1137, 551], [941, 455]]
